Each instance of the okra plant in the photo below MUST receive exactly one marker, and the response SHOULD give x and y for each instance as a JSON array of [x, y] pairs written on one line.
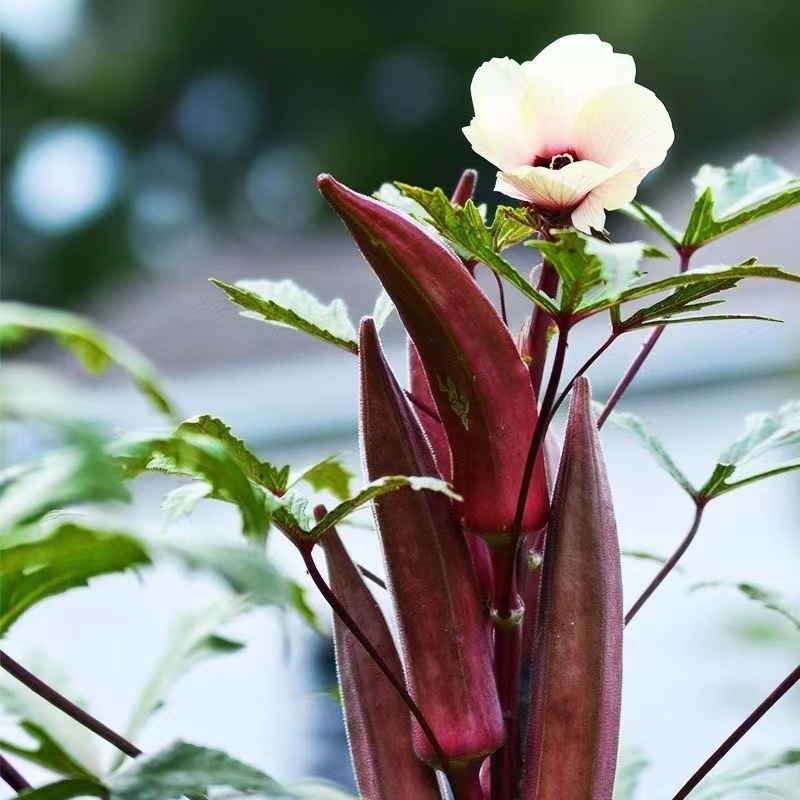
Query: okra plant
[[504, 679]]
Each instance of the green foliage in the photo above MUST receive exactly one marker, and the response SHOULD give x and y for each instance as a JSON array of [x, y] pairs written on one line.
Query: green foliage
[[631, 765], [764, 597], [187, 770], [286, 304], [36, 564], [330, 474], [95, 350], [374, 490], [276, 479], [747, 781], [464, 228], [763, 434], [633, 425], [193, 639], [592, 271], [62, 745], [58, 480], [726, 200], [199, 456]]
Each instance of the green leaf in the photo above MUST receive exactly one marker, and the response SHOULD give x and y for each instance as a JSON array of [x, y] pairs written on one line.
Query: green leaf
[[714, 279], [327, 475], [180, 502], [631, 764], [769, 600], [276, 479], [35, 565], [80, 474], [632, 424], [286, 304], [193, 639], [653, 220], [383, 309], [95, 350], [199, 456], [727, 199], [62, 745], [464, 228], [764, 433], [375, 489], [183, 769], [643, 555], [66, 790], [510, 227], [592, 271]]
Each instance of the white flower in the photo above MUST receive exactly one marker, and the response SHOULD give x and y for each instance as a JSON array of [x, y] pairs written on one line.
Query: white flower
[[570, 131]]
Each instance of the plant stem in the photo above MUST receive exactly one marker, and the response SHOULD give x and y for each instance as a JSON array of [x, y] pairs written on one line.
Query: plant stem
[[56, 699], [541, 428], [466, 782], [10, 774], [341, 612], [636, 364], [612, 337], [507, 617], [371, 576], [540, 322], [671, 562], [502, 294], [780, 690]]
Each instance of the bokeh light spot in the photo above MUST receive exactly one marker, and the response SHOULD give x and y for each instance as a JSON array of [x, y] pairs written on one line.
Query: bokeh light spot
[[65, 175]]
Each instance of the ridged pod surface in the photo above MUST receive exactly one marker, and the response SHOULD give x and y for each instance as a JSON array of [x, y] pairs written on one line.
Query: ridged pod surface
[[577, 653], [480, 385], [376, 718], [442, 623]]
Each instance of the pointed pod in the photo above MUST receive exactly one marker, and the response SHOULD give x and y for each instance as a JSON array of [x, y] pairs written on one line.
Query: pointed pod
[[479, 383], [376, 718], [442, 623], [577, 655]]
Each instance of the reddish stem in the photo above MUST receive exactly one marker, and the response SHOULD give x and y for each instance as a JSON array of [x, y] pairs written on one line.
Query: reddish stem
[[670, 564], [636, 364], [507, 617], [466, 782], [540, 322], [10, 774], [305, 549], [58, 700], [780, 690]]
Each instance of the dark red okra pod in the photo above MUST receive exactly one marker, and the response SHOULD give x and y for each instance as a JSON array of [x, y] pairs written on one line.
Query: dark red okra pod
[[443, 624], [480, 385], [376, 718], [577, 652]]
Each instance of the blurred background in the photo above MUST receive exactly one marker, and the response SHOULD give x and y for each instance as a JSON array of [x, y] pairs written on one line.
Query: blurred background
[[147, 146]]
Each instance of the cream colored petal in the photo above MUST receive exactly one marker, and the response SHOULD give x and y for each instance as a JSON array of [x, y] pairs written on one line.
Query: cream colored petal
[[567, 74], [552, 189], [589, 214], [502, 130], [620, 187], [624, 123]]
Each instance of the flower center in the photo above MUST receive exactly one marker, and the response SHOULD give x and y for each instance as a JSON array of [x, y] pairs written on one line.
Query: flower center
[[561, 160]]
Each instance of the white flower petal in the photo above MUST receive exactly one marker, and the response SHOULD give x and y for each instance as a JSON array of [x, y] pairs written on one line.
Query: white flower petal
[[589, 214], [502, 130], [552, 189], [624, 123], [567, 74]]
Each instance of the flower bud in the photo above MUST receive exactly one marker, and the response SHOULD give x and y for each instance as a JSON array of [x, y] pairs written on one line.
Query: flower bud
[[577, 656]]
